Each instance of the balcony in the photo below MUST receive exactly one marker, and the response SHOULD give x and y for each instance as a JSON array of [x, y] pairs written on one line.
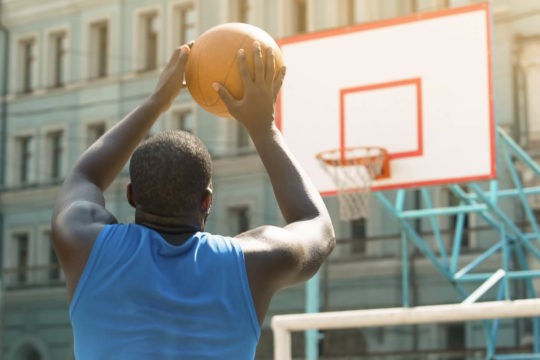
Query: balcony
[[31, 277]]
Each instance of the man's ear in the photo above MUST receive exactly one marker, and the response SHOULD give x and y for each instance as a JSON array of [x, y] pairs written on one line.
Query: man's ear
[[207, 200], [129, 195]]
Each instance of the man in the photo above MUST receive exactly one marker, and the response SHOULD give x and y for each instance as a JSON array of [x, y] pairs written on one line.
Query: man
[[162, 288]]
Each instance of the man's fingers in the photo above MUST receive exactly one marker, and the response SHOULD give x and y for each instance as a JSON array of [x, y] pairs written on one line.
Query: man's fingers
[[270, 65], [175, 56], [257, 61], [184, 52], [179, 54], [225, 96], [243, 67], [279, 80]]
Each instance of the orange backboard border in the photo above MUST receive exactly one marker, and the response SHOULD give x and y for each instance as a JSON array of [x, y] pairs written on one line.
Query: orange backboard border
[[417, 83], [398, 21]]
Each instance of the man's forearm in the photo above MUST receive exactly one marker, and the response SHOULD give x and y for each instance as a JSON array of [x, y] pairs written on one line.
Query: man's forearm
[[296, 195]]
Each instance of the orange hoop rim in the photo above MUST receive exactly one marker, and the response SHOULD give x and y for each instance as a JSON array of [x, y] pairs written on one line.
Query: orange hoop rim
[[338, 157]]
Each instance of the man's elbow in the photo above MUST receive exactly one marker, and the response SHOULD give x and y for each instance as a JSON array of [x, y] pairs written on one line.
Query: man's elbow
[[329, 236]]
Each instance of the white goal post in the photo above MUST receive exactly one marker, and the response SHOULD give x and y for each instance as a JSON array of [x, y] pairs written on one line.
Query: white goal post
[[283, 325]]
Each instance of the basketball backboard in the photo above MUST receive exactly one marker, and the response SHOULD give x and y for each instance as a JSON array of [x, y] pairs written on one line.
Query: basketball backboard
[[420, 86]]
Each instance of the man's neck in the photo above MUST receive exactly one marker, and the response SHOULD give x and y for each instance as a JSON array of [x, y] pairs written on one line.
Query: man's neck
[[167, 224]]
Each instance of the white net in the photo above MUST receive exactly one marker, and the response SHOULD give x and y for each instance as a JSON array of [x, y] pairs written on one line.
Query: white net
[[352, 171]]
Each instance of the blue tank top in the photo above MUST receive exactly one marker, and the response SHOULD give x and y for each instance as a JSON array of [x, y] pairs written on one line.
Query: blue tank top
[[140, 297]]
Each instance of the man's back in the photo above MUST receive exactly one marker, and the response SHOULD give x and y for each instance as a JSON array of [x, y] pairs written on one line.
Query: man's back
[[171, 190], [140, 296]]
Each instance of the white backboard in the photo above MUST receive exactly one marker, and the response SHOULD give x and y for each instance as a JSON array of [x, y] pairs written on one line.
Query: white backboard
[[419, 86]]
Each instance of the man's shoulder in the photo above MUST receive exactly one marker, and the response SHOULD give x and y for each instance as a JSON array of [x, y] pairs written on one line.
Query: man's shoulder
[[219, 243], [267, 238], [79, 224], [82, 213]]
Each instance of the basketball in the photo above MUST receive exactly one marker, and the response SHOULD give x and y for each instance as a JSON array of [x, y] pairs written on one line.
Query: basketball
[[213, 58]]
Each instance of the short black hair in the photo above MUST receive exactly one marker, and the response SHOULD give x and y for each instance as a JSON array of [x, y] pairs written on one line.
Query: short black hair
[[170, 172]]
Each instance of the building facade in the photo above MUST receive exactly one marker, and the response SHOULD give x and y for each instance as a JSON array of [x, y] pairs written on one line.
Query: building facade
[[70, 69]]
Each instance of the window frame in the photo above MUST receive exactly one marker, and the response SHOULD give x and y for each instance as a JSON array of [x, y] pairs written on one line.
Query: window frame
[[22, 269], [139, 43], [92, 126], [13, 177], [45, 248], [287, 24], [50, 62], [46, 161], [233, 213], [83, 130], [18, 86], [11, 255], [183, 108], [236, 14], [528, 54], [175, 26], [223, 207], [88, 71]]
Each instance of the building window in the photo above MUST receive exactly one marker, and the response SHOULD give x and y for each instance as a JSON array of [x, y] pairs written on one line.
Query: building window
[[94, 132], [24, 158], [240, 10], [358, 236], [350, 12], [27, 63], [148, 41], [184, 120], [361, 11], [184, 23], [528, 90], [299, 16], [430, 5], [99, 49], [53, 265], [55, 153], [22, 246], [239, 219], [57, 59]]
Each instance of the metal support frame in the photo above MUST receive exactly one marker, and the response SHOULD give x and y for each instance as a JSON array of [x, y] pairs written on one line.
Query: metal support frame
[[484, 199], [513, 246]]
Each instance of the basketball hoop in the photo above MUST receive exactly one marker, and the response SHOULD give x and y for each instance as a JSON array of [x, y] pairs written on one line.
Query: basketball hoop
[[352, 170]]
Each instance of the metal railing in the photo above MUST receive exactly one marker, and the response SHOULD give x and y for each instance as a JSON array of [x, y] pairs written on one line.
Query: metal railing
[[32, 277]]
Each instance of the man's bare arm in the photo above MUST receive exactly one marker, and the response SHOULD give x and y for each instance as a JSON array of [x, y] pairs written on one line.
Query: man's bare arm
[[102, 161], [279, 256], [79, 212]]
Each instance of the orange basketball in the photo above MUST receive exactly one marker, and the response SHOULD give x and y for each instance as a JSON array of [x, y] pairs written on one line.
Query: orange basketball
[[213, 58]]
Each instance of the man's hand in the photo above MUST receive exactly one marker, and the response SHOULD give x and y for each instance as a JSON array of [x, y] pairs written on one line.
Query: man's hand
[[170, 80], [256, 109]]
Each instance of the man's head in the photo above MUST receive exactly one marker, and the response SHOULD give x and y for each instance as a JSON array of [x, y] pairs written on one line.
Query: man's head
[[171, 175]]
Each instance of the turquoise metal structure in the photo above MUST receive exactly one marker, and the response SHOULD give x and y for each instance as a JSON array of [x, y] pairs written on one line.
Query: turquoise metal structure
[[514, 245]]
